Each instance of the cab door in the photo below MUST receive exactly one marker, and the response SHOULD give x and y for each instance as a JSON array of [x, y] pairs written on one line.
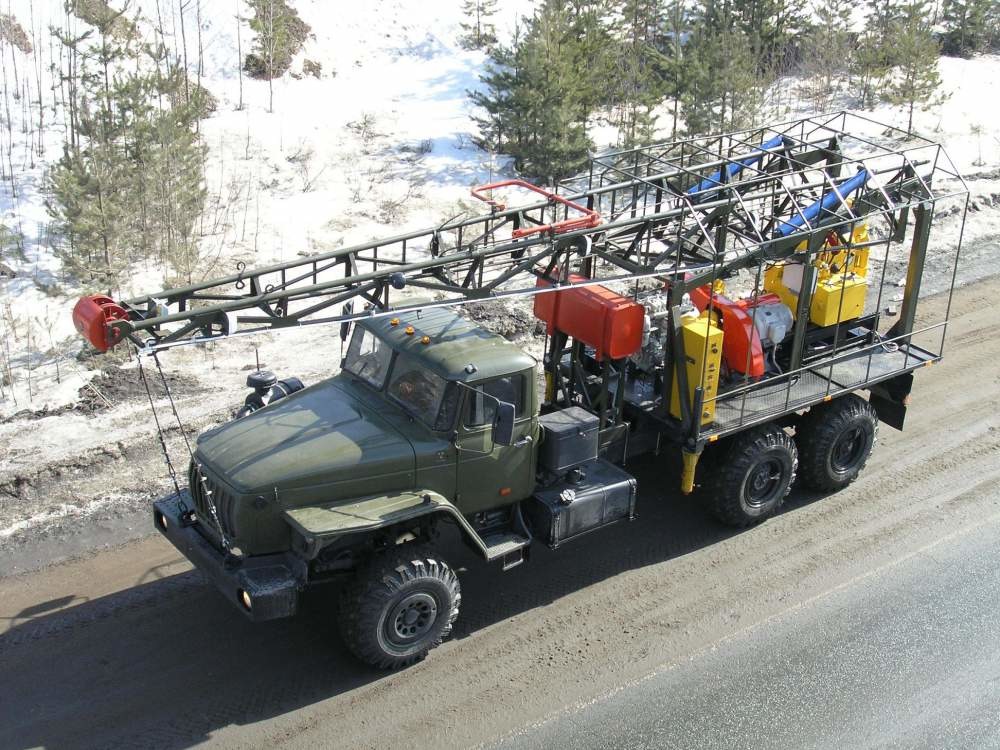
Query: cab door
[[491, 475]]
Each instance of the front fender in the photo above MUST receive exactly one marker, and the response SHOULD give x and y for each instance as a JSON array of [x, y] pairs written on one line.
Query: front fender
[[320, 523]]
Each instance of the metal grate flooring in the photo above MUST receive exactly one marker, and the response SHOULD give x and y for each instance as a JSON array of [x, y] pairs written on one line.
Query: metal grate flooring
[[812, 385]]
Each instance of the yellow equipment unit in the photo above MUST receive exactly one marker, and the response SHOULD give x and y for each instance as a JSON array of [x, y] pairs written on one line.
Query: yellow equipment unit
[[838, 298], [841, 281], [703, 363]]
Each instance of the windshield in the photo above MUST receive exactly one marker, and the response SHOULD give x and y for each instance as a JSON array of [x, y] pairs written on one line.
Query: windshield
[[368, 357], [422, 393]]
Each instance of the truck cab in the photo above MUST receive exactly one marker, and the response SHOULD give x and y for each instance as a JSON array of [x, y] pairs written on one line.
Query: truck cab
[[314, 483], [413, 408], [438, 378]]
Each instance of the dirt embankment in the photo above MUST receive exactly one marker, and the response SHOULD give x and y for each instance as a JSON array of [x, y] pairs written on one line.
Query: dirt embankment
[[81, 475], [513, 320], [113, 387]]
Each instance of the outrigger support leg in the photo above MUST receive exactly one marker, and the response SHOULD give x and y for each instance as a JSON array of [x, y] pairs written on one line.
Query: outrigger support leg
[[690, 459]]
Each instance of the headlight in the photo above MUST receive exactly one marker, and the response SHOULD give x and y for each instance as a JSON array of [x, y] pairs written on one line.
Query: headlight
[[161, 520], [245, 599]]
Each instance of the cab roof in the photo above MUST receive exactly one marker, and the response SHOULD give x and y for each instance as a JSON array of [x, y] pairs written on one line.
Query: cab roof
[[455, 343]]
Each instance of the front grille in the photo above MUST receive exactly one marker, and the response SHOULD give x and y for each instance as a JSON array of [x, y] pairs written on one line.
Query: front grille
[[224, 502]]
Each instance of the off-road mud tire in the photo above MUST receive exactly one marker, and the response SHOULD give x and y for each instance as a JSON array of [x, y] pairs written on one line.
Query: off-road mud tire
[[835, 441], [398, 607], [750, 475]]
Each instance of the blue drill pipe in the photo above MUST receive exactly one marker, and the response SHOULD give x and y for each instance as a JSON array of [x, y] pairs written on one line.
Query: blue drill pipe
[[733, 169], [826, 203]]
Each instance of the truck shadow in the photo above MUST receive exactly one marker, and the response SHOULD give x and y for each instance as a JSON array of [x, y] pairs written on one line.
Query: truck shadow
[[168, 662]]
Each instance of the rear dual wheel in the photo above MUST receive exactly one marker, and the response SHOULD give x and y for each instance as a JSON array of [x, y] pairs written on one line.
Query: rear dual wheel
[[753, 471], [751, 475], [835, 441]]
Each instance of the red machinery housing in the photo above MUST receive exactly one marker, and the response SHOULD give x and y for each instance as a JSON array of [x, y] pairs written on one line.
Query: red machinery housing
[[92, 317], [595, 315], [742, 349]]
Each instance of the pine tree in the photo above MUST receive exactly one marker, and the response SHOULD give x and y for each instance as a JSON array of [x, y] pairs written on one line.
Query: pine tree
[[129, 184], [876, 53], [967, 26], [504, 99], [701, 96], [9, 241], [915, 79], [280, 35], [558, 144], [828, 47], [674, 59], [993, 28], [478, 32], [724, 89], [638, 81], [534, 104], [591, 52], [771, 27], [868, 67], [88, 184], [883, 15]]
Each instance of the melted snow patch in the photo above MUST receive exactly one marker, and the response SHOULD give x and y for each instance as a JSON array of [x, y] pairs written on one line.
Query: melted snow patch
[[62, 511]]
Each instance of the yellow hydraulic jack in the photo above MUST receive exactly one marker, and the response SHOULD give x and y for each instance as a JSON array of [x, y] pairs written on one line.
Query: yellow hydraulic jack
[[690, 459]]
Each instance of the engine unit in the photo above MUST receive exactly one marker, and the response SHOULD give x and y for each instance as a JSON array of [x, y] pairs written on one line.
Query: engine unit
[[841, 282], [734, 329], [772, 318], [655, 332]]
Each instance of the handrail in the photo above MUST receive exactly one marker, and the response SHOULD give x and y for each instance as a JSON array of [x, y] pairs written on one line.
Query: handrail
[[589, 220]]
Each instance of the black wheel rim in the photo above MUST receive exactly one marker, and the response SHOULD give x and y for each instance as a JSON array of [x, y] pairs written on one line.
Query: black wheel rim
[[763, 482], [848, 450], [411, 619]]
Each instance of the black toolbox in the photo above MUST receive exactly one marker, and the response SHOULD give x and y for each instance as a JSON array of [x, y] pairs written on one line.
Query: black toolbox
[[569, 439], [601, 494]]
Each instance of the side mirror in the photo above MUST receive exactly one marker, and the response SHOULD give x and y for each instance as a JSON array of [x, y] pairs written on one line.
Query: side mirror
[[503, 424], [345, 326]]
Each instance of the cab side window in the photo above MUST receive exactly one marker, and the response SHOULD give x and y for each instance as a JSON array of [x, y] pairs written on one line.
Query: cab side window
[[481, 410]]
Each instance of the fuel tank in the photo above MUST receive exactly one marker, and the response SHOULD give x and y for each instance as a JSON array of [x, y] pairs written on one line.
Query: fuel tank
[[595, 315]]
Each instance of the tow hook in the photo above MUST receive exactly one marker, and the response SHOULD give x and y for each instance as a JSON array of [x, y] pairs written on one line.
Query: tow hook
[[232, 561]]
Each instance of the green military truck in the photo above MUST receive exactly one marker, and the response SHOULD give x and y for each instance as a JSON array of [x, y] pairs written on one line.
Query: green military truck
[[716, 297], [354, 474]]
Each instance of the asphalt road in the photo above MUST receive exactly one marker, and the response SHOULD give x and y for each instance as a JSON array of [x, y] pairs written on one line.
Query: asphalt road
[[859, 618], [906, 656]]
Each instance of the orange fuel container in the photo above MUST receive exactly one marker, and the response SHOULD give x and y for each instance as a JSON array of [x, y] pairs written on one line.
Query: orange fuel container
[[595, 315]]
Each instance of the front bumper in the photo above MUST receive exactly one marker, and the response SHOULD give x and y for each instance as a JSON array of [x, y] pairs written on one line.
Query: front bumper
[[270, 581]]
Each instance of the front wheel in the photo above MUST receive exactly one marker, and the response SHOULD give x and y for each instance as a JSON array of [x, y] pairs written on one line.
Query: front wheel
[[752, 475], [399, 607]]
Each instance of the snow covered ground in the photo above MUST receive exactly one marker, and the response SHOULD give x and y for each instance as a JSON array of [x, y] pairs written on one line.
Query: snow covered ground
[[378, 143]]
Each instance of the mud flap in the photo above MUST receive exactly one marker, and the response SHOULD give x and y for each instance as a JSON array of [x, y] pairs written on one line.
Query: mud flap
[[890, 398]]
